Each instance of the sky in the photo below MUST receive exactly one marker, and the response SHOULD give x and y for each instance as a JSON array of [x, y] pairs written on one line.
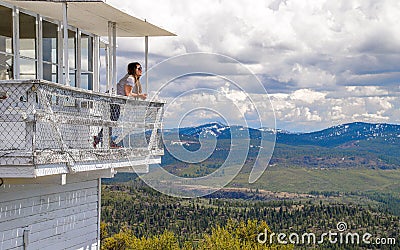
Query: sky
[[321, 62]]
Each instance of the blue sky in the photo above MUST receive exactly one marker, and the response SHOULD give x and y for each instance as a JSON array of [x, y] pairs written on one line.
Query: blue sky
[[322, 62]]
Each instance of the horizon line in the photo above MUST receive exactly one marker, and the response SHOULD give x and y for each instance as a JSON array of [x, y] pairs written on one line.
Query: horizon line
[[278, 129]]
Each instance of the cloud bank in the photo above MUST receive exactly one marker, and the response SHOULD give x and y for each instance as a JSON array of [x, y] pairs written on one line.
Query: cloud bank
[[322, 62]]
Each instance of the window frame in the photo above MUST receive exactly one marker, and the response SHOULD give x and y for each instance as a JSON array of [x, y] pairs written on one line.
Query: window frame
[[91, 65], [10, 54], [93, 55], [36, 42], [57, 48]]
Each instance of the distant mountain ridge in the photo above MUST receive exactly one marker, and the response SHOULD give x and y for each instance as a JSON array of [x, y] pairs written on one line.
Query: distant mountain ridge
[[340, 134], [219, 130], [351, 145], [330, 137]]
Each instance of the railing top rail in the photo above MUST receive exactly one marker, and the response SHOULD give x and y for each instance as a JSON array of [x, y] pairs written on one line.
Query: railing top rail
[[81, 91]]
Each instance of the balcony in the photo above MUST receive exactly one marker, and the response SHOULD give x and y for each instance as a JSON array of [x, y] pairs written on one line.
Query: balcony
[[48, 129]]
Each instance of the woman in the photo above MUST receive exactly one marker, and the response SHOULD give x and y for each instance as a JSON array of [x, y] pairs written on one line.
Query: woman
[[130, 85]]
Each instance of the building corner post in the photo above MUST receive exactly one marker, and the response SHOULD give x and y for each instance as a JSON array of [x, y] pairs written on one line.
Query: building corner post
[[16, 45], [65, 42]]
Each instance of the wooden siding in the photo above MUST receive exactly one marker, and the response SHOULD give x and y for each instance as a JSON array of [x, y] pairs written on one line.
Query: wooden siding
[[57, 216]]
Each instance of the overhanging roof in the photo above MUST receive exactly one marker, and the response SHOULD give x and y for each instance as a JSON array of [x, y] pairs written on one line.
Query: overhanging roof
[[93, 16]]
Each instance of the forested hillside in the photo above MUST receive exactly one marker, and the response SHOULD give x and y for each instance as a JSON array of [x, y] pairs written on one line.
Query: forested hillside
[[344, 174], [143, 212]]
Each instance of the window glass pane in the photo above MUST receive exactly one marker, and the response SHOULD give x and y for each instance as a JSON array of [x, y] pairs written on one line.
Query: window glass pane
[[50, 72], [50, 40], [27, 34], [28, 68], [6, 71], [87, 81], [72, 49], [72, 78], [87, 53], [5, 30]]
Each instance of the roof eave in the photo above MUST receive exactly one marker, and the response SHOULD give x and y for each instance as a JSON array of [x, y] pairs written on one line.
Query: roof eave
[[93, 16]]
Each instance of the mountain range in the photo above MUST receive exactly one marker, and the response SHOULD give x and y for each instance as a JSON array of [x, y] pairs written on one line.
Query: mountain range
[[349, 145], [330, 137]]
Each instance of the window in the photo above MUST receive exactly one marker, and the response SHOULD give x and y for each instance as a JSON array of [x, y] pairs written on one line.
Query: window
[[39, 42], [50, 53], [86, 62], [27, 35], [6, 50], [72, 57]]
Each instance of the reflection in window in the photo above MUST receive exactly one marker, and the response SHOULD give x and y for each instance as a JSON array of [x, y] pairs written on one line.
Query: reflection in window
[[71, 48], [50, 72], [28, 68], [27, 34], [6, 67], [87, 62], [87, 81], [72, 57], [6, 52], [87, 52], [72, 78], [50, 42]]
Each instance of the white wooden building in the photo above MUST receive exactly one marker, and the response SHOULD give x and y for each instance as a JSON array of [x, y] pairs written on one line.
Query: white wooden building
[[58, 134]]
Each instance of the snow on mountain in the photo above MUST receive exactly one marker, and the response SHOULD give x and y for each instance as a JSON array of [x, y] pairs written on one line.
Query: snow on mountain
[[332, 136]]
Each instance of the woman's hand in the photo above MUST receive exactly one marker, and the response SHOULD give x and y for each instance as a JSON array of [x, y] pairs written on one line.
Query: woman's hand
[[142, 96]]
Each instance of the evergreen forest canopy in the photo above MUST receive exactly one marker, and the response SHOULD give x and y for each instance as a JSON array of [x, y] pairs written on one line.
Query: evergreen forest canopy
[[348, 173]]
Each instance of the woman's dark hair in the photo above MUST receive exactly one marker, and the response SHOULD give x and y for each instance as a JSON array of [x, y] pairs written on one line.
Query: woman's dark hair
[[132, 68]]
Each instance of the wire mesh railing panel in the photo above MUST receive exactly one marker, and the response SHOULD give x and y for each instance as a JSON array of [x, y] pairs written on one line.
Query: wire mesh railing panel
[[58, 124], [47, 137], [14, 117]]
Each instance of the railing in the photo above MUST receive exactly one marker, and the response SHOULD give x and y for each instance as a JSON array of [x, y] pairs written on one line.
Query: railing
[[47, 123]]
